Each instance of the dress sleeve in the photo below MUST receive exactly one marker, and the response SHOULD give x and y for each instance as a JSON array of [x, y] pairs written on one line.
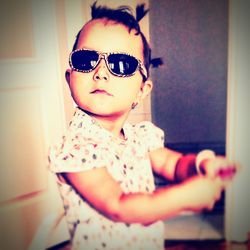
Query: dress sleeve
[[151, 135], [76, 154]]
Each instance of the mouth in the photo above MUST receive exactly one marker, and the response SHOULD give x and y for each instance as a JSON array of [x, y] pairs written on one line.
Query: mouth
[[101, 92]]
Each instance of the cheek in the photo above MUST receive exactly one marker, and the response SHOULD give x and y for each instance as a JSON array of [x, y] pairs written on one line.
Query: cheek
[[129, 92], [78, 81], [77, 88]]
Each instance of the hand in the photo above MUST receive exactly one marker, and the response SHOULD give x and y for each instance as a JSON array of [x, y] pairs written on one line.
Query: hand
[[203, 192], [219, 167]]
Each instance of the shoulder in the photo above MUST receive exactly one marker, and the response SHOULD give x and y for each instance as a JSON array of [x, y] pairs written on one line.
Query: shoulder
[[147, 127], [77, 151], [151, 135]]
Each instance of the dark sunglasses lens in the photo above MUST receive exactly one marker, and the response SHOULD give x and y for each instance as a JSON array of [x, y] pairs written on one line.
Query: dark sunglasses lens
[[122, 64], [84, 60]]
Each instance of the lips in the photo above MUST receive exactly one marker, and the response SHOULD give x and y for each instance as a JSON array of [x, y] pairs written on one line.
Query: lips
[[101, 92]]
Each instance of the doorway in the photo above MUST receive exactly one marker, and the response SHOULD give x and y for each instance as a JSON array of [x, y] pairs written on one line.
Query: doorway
[[190, 91]]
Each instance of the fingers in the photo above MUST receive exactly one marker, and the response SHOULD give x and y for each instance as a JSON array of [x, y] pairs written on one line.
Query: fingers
[[220, 167], [220, 186], [217, 188], [226, 173], [205, 192]]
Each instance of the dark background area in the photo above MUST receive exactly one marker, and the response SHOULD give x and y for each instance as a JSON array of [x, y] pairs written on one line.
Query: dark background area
[[190, 88]]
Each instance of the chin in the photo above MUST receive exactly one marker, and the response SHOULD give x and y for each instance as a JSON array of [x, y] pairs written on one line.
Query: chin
[[95, 111], [102, 110]]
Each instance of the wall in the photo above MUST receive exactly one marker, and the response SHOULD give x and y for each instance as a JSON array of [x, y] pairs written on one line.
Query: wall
[[189, 98]]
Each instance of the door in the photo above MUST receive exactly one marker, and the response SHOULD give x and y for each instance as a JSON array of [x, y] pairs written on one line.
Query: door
[[32, 117]]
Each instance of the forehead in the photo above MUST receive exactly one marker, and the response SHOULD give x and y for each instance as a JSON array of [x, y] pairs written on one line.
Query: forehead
[[108, 36]]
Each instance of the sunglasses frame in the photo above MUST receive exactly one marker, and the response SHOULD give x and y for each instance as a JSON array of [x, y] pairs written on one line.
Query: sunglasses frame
[[104, 55]]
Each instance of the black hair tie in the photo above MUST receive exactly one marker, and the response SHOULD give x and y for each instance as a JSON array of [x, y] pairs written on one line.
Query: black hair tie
[[156, 62]]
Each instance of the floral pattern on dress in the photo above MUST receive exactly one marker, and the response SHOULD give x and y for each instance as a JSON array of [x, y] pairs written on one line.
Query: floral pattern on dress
[[86, 145]]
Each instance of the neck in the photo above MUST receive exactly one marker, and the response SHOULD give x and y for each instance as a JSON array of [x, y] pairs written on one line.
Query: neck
[[113, 123]]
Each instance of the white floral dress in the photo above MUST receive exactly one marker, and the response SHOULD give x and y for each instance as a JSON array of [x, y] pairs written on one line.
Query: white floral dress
[[86, 145]]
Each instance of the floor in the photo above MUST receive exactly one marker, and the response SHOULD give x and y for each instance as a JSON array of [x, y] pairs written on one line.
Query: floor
[[206, 245], [199, 232], [189, 226], [193, 232], [187, 245]]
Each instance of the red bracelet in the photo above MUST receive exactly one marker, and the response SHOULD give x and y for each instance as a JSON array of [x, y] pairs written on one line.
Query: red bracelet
[[185, 167]]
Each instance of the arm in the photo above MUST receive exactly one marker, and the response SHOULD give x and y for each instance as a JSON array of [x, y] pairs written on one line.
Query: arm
[[164, 161], [105, 194], [177, 167], [173, 165]]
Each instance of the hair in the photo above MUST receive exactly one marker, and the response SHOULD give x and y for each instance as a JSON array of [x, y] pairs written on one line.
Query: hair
[[123, 15]]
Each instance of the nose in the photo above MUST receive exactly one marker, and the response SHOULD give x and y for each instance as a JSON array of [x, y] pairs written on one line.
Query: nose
[[101, 71]]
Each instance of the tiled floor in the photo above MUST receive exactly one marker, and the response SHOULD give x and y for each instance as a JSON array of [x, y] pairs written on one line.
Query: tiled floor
[[195, 227], [206, 245], [199, 232]]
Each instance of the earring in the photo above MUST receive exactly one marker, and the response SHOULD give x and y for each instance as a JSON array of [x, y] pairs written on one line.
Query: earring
[[134, 104]]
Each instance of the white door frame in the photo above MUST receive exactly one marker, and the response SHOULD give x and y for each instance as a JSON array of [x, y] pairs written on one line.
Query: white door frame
[[237, 216]]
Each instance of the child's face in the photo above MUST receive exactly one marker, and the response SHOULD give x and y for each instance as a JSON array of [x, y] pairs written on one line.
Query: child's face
[[99, 91]]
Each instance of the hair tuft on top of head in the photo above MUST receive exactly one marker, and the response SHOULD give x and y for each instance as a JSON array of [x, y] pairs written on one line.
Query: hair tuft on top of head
[[140, 12], [103, 11], [122, 14]]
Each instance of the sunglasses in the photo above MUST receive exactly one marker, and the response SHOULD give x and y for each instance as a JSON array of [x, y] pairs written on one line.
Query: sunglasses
[[119, 64]]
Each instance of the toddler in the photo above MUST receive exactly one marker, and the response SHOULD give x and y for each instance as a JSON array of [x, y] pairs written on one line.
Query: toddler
[[104, 165]]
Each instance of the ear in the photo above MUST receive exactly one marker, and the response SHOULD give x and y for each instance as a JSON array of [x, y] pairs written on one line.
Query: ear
[[146, 89], [67, 75]]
